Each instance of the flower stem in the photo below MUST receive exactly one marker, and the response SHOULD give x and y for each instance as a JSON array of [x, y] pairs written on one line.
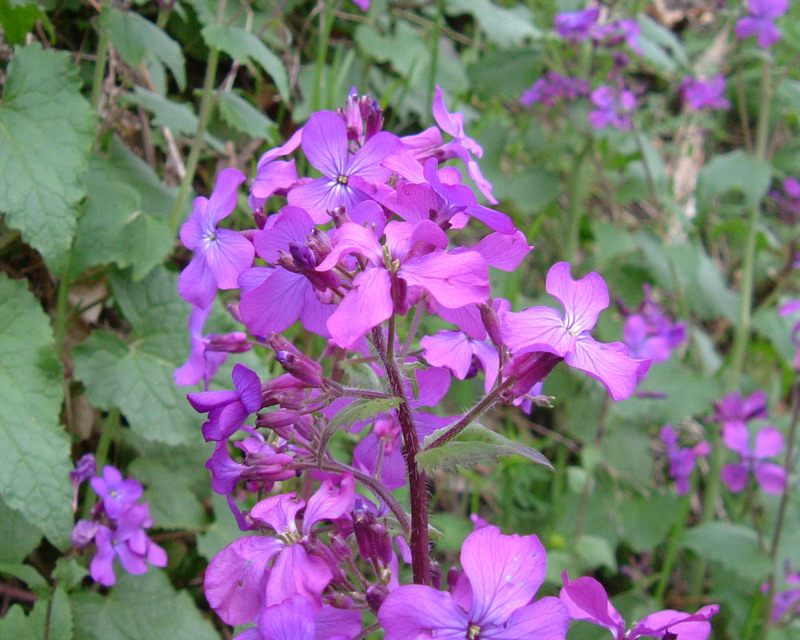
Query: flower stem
[[107, 432], [100, 63], [674, 546], [417, 480], [437, 32], [579, 187], [325, 24], [206, 103]]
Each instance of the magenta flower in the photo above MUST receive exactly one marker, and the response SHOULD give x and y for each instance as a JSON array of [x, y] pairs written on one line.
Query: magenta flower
[[577, 25], [787, 601], [681, 461], [552, 87], [227, 410], [459, 353], [326, 147], [760, 21], [220, 255], [769, 442], [614, 107], [649, 334], [704, 94], [735, 411], [543, 329], [115, 492], [586, 599], [503, 574]]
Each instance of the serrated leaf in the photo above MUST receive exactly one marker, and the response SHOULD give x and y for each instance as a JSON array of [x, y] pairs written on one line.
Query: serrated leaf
[[740, 552], [505, 27], [243, 46], [172, 502], [18, 20], [18, 625], [474, 445], [357, 411], [136, 38], [35, 456], [69, 573], [113, 227], [144, 607], [45, 137], [26, 573], [136, 376], [244, 117]]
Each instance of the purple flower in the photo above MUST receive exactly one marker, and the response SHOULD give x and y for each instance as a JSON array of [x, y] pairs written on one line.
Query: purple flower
[[650, 334], [769, 442], [459, 353], [220, 255], [553, 86], [681, 461], [704, 94], [227, 410], [788, 600], [545, 330], [614, 107], [299, 618], [586, 599], [761, 21], [129, 543], [326, 147], [576, 25], [85, 468], [789, 200], [626, 30], [735, 411], [501, 577], [115, 492]]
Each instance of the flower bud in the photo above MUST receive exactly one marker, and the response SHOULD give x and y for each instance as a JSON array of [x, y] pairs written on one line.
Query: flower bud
[[374, 543], [303, 257], [277, 419], [492, 323], [235, 342], [83, 533], [293, 361], [376, 594], [528, 369]]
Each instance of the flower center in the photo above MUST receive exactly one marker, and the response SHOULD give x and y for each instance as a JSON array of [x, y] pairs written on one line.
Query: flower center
[[473, 630], [342, 180]]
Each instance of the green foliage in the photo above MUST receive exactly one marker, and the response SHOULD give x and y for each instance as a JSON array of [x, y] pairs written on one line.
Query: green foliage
[[55, 614], [357, 411], [475, 444], [45, 136], [172, 502], [142, 607], [740, 553], [19, 536], [35, 456]]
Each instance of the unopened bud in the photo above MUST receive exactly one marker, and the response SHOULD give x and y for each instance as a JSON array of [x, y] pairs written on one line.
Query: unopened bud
[[293, 361], [339, 215], [376, 594], [277, 419], [83, 533], [339, 546], [303, 256], [235, 342], [492, 323], [373, 540], [374, 118]]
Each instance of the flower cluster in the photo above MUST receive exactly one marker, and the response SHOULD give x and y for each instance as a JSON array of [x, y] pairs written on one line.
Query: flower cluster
[[118, 525], [701, 94], [682, 460], [760, 21]]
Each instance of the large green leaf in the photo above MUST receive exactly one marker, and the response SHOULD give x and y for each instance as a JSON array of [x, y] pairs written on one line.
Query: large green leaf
[[737, 171], [243, 46], [113, 227], [15, 624], [18, 536], [136, 38], [474, 445], [504, 27], [244, 117], [172, 502], [734, 546], [45, 137], [136, 376], [35, 457], [144, 607], [18, 19]]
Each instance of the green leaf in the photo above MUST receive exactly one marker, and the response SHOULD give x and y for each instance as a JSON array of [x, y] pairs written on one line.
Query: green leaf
[[474, 445], [35, 456], [736, 171], [244, 117], [357, 411], [18, 20], [45, 137], [243, 46], [18, 625], [660, 45], [136, 38], [136, 376], [113, 227], [172, 502], [69, 573], [144, 607], [647, 521], [18, 535], [26, 573], [733, 546], [504, 27], [595, 551]]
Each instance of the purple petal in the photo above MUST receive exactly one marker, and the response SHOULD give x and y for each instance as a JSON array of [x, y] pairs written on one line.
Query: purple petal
[[413, 611], [292, 224], [329, 502], [547, 619], [735, 477], [769, 442], [770, 476], [292, 619], [363, 308], [272, 177], [504, 572], [314, 314], [366, 163], [503, 250], [365, 458], [234, 578], [337, 622], [452, 280], [402, 162], [197, 283], [737, 438], [295, 571], [448, 349], [223, 199], [466, 318], [582, 299], [608, 363], [227, 256], [368, 214], [537, 329], [586, 599], [322, 195], [285, 149], [275, 304], [353, 238], [102, 565], [278, 512], [325, 144], [685, 626], [207, 400], [434, 383], [248, 386]]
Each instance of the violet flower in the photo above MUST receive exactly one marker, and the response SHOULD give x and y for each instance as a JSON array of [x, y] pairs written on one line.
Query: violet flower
[[681, 460], [552, 87], [735, 411], [502, 574], [227, 410], [760, 21], [704, 94], [769, 442], [326, 147], [115, 492], [787, 601], [545, 330], [220, 255], [650, 334], [614, 107], [587, 600], [577, 26]]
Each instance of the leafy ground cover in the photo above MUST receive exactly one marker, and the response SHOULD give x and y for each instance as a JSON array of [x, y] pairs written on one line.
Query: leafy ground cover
[[492, 307]]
